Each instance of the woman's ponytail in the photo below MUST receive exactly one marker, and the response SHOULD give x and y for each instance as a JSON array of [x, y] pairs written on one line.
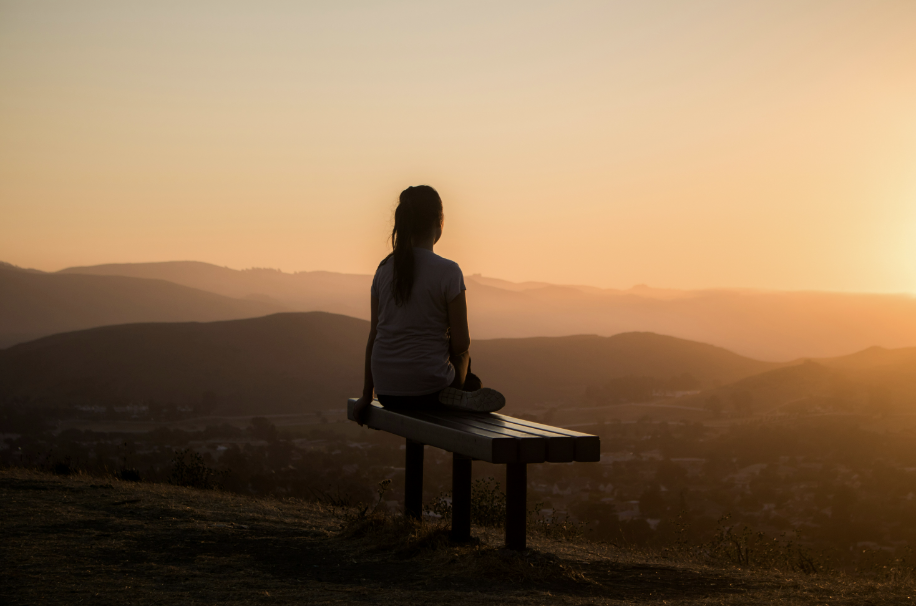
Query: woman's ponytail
[[419, 211]]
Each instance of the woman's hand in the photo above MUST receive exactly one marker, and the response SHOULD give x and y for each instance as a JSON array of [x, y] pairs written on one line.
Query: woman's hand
[[359, 409]]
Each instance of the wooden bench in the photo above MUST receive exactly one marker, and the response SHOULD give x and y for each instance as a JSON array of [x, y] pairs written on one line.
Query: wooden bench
[[490, 437]]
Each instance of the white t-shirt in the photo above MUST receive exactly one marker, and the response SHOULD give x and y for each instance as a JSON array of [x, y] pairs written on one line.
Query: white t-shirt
[[410, 355]]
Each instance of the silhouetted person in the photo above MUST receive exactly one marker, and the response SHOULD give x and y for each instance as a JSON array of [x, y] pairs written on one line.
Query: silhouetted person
[[417, 355]]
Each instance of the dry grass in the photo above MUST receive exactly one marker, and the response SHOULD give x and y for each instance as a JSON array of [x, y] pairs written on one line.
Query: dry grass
[[89, 540]]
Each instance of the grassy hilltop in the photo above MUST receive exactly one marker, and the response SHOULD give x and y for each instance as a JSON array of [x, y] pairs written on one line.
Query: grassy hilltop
[[103, 541]]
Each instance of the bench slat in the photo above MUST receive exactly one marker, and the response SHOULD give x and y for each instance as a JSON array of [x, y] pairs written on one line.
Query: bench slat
[[468, 441], [459, 425], [587, 446], [531, 448], [560, 448], [490, 437]]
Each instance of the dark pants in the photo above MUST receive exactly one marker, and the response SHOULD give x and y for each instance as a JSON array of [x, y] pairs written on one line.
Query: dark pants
[[431, 400]]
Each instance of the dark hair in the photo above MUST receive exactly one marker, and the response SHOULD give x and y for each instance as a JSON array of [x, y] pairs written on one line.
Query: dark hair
[[419, 211]]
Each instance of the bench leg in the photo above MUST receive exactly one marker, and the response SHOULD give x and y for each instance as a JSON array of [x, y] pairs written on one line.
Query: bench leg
[[413, 480], [461, 499], [516, 497]]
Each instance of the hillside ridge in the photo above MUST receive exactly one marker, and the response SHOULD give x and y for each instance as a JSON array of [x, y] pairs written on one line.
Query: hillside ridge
[[37, 304], [762, 324], [296, 361]]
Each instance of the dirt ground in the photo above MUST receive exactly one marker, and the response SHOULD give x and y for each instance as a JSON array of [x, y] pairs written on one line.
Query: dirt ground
[[85, 540]]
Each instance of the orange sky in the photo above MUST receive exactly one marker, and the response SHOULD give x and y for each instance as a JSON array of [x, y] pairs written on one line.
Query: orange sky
[[681, 144]]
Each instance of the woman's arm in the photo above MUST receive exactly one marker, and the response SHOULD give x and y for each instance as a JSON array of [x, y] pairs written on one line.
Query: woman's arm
[[459, 338], [368, 384]]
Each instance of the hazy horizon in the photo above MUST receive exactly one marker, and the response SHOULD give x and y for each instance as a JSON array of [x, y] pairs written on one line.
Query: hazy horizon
[[763, 324], [705, 145], [633, 286]]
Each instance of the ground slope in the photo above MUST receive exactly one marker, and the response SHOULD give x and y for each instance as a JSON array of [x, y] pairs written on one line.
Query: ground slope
[[102, 541]]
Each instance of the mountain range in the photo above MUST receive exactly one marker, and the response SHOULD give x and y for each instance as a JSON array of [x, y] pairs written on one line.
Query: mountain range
[[767, 325], [34, 304], [295, 362], [311, 361], [875, 381]]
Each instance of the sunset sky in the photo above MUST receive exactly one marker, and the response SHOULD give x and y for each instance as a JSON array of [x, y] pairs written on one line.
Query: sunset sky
[[683, 144]]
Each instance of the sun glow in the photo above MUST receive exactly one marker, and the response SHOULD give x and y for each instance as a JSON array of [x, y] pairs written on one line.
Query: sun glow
[[723, 144]]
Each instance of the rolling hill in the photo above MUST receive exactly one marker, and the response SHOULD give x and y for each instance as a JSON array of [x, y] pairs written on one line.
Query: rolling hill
[[296, 362], [875, 381], [767, 325], [35, 304], [559, 369], [345, 294], [282, 362]]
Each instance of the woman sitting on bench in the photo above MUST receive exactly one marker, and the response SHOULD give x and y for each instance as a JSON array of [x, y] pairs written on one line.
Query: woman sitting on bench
[[417, 355]]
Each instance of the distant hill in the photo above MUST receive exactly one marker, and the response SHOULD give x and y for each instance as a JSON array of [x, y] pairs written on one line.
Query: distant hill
[[309, 361], [875, 381], [559, 369], [874, 358], [294, 361], [35, 304], [346, 294], [767, 325]]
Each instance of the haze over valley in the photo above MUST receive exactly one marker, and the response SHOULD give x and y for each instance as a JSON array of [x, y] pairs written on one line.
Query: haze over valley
[[776, 326]]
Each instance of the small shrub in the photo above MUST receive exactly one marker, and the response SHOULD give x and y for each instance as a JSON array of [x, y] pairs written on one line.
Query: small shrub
[[189, 469], [336, 499], [742, 546], [886, 567], [556, 526], [401, 535], [488, 508], [488, 504]]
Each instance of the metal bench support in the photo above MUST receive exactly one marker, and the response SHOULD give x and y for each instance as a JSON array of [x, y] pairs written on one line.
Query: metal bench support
[[461, 498], [469, 436], [413, 480], [516, 497]]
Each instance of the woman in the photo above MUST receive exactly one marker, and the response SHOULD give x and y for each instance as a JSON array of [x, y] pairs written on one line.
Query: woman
[[417, 355]]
